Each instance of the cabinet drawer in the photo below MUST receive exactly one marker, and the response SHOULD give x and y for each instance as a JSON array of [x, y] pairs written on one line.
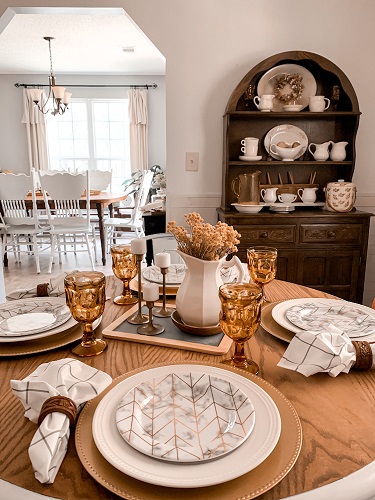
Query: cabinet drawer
[[331, 233], [264, 235]]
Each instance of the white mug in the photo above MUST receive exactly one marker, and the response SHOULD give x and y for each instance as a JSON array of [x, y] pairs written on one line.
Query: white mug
[[250, 146], [264, 102], [287, 197], [318, 103]]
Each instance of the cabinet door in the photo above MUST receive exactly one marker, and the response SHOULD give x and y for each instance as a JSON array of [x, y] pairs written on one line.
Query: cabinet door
[[287, 265], [334, 271]]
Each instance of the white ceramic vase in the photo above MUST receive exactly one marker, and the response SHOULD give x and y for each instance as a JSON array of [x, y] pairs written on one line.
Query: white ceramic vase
[[197, 299]]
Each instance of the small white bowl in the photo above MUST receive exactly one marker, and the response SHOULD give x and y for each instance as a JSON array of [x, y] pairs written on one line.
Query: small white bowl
[[247, 209], [292, 107]]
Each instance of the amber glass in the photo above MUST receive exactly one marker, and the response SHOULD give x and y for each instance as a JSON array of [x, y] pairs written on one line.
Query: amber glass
[[240, 319], [85, 297], [262, 265], [124, 267]]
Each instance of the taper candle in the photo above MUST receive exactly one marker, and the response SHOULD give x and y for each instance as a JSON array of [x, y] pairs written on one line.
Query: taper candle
[[138, 246], [163, 259]]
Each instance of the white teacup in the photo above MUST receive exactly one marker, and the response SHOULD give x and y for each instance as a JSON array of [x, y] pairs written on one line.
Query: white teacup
[[250, 146], [287, 197], [318, 103], [264, 102]]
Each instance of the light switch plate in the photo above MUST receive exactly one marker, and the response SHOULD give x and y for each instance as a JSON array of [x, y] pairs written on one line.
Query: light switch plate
[[192, 161]]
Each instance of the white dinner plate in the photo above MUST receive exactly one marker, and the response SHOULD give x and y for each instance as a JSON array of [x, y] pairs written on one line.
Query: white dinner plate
[[266, 84], [174, 276], [185, 417], [255, 449], [288, 134], [26, 317], [279, 313]]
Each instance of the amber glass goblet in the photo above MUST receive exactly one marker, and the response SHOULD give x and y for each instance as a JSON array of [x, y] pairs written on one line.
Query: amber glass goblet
[[262, 265], [85, 297], [124, 267], [239, 319]]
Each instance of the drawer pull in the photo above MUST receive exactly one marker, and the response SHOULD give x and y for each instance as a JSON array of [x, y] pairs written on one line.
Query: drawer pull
[[331, 234], [263, 235]]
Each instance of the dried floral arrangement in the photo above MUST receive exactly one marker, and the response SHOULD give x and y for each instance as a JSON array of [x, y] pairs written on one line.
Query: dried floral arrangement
[[294, 81], [203, 240]]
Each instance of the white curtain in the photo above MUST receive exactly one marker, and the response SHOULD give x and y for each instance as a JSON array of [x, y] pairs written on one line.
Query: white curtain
[[36, 132], [138, 118]]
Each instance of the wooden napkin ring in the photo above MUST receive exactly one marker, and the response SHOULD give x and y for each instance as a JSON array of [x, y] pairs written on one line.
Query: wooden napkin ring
[[42, 290], [61, 404], [363, 360]]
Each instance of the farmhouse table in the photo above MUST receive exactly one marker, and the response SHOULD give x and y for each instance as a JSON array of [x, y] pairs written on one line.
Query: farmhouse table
[[337, 414]]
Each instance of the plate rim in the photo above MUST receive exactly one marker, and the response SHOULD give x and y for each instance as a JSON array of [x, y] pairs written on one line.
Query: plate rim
[[268, 139]]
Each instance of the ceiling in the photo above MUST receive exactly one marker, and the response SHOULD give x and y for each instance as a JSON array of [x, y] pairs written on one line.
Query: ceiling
[[85, 43]]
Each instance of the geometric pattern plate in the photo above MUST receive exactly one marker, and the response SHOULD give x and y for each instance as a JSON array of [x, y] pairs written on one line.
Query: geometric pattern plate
[[185, 417], [174, 276], [26, 317], [253, 451], [348, 318]]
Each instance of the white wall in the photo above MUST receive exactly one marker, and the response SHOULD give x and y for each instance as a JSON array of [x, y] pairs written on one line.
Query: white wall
[[13, 145]]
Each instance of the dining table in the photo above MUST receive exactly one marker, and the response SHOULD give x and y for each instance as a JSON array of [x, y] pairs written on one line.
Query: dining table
[[336, 415]]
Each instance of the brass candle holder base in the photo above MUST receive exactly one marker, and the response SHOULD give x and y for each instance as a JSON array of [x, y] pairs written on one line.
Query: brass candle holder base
[[138, 318], [163, 312], [150, 328]]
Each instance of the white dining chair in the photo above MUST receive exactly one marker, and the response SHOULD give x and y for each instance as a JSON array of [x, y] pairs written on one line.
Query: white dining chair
[[100, 180], [22, 224], [63, 195]]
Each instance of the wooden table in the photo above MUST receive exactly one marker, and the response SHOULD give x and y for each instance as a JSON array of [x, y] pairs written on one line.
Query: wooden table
[[337, 414]]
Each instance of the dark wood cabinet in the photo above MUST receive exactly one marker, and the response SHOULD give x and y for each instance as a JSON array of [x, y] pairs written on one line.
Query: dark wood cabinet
[[317, 248]]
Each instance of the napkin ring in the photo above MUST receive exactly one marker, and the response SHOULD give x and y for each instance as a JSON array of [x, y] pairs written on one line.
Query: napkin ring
[[363, 358], [61, 404], [42, 290]]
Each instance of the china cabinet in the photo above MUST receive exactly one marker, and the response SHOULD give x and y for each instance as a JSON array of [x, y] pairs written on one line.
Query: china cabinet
[[317, 248]]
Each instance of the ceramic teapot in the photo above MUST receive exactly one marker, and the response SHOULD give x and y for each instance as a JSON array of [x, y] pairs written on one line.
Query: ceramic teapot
[[321, 152], [246, 188], [340, 196], [308, 195], [338, 152]]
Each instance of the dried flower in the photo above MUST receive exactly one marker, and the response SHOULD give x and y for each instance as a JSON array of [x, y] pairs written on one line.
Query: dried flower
[[204, 241]]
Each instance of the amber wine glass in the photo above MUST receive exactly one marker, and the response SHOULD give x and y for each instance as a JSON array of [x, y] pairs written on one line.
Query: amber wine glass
[[239, 319], [124, 267], [262, 265], [85, 297]]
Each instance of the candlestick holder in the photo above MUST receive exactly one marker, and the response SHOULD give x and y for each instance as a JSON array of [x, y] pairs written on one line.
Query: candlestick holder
[[138, 318], [163, 312], [150, 328]]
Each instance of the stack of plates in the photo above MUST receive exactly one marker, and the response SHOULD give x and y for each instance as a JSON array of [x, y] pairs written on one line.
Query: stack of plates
[[293, 316]]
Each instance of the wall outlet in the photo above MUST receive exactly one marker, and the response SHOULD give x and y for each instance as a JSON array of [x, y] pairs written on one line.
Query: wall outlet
[[192, 161]]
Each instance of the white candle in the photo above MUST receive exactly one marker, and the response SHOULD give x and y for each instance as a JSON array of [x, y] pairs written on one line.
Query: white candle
[[151, 292], [163, 259], [138, 246]]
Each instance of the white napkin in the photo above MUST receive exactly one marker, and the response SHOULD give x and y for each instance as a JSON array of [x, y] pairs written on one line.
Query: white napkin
[[311, 352], [55, 289], [64, 377]]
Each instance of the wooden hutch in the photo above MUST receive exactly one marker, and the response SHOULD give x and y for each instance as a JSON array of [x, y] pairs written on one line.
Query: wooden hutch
[[317, 248]]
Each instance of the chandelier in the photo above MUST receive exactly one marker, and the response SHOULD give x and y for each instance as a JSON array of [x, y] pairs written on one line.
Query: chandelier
[[60, 98]]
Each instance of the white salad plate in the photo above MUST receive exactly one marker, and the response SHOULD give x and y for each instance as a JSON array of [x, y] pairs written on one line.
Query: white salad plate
[[185, 417], [30, 317], [282, 207], [266, 84], [174, 276], [365, 326], [249, 158], [288, 134], [252, 452]]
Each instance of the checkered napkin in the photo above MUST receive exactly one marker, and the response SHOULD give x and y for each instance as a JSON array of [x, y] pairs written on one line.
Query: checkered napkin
[[64, 377], [311, 352], [53, 288]]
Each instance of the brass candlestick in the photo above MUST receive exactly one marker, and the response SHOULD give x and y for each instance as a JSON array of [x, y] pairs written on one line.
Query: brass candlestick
[[138, 318], [163, 312], [150, 328]]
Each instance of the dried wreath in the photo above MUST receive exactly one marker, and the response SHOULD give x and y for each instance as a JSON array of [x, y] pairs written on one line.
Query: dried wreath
[[294, 81]]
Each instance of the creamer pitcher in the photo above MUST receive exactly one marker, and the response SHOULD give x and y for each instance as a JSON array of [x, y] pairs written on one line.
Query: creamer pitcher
[[338, 152], [321, 152]]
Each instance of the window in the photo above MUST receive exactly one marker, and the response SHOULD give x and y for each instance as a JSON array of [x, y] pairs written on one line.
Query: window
[[93, 134]]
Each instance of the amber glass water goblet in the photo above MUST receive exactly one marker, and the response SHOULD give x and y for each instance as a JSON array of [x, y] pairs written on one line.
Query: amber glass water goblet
[[239, 319], [85, 297], [124, 267], [262, 265]]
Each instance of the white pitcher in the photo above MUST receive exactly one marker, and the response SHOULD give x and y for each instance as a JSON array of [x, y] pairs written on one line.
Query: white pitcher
[[269, 195], [321, 152], [338, 152], [308, 195]]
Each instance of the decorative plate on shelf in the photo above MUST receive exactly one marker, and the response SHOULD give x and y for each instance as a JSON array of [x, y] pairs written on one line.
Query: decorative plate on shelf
[[268, 81], [288, 134]]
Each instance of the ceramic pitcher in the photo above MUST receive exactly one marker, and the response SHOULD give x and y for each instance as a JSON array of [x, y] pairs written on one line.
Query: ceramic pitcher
[[321, 152], [246, 188], [308, 195], [338, 152], [269, 195], [197, 299]]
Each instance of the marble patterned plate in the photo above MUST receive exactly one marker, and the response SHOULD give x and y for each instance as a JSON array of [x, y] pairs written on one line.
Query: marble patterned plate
[[26, 317], [185, 417], [174, 276]]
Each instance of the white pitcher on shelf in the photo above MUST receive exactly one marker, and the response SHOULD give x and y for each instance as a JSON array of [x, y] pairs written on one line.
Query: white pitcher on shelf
[[308, 195], [269, 195], [338, 152], [321, 152]]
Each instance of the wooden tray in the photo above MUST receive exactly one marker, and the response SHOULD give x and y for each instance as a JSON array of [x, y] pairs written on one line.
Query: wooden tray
[[288, 188]]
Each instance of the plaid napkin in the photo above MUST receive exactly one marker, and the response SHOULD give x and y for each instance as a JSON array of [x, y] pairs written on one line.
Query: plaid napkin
[[54, 288], [311, 352], [64, 377]]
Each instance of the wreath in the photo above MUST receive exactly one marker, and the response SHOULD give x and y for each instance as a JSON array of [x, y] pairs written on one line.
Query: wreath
[[295, 83]]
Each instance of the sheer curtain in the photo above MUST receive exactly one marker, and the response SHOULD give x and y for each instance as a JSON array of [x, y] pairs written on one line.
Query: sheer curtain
[[36, 132], [138, 118]]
